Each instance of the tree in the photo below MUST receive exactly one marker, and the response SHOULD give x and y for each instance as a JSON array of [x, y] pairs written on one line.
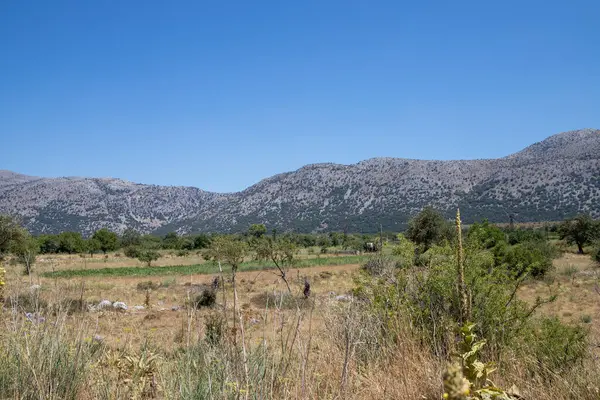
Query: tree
[[109, 241], [171, 241], [201, 241], [93, 246], [70, 242], [428, 228], [49, 244], [26, 251], [10, 232], [280, 252], [131, 237], [148, 256], [257, 230], [581, 230]]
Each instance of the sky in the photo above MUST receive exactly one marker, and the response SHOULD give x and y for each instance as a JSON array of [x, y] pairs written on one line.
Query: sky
[[221, 94]]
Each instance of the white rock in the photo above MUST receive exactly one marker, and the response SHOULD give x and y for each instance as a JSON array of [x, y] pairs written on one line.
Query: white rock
[[104, 304], [139, 308], [119, 305]]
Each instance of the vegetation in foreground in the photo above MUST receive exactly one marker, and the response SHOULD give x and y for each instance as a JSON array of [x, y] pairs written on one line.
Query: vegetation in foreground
[[425, 319]]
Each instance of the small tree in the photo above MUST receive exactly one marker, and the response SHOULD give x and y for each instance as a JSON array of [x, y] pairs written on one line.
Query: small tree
[[428, 228], [280, 252], [26, 251], [131, 237], [109, 241], [10, 233], [70, 242], [148, 256], [257, 230], [581, 230], [92, 246]]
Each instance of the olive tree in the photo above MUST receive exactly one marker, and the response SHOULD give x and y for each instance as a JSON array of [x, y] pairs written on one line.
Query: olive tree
[[429, 227], [581, 230]]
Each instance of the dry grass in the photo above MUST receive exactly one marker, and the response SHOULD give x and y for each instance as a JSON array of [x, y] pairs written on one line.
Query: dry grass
[[309, 352]]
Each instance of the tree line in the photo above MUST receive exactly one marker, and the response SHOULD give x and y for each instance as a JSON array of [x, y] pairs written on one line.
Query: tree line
[[426, 229]]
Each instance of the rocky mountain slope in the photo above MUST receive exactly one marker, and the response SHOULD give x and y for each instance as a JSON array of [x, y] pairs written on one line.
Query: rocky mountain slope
[[550, 180]]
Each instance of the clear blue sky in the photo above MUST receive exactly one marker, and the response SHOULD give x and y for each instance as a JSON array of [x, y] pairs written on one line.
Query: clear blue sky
[[220, 94]]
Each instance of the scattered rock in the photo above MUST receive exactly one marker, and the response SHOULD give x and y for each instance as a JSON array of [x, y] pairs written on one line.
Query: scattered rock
[[139, 308], [104, 304], [175, 308], [331, 294], [254, 321], [119, 305]]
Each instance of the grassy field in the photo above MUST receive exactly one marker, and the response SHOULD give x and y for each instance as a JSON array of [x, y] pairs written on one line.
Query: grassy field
[[294, 348], [204, 268]]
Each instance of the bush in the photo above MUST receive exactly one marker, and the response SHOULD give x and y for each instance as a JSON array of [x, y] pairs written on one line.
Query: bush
[[516, 236], [214, 326], [534, 257], [206, 298], [379, 265]]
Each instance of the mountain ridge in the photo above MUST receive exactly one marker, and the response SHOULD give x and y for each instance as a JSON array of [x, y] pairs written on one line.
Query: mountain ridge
[[550, 179]]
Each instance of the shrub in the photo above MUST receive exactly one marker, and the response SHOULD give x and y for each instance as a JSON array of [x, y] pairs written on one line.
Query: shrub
[[534, 257], [206, 298], [404, 251], [183, 253], [379, 265], [214, 326], [516, 236]]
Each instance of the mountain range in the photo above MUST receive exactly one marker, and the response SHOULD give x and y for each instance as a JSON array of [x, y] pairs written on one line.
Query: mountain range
[[547, 181]]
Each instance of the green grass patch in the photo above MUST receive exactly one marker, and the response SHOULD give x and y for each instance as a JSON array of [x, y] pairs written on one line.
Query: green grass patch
[[206, 268]]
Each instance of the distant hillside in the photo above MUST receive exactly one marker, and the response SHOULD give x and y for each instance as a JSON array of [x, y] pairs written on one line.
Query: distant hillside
[[550, 180]]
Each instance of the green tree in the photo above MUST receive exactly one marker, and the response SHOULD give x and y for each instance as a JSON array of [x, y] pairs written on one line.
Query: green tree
[[26, 250], [131, 237], [201, 241], [428, 228], [10, 232], [171, 241], [93, 246], [581, 230], [109, 241], [49, 244], [148, 256], [150, 242], [257, 230], [70, 242]]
